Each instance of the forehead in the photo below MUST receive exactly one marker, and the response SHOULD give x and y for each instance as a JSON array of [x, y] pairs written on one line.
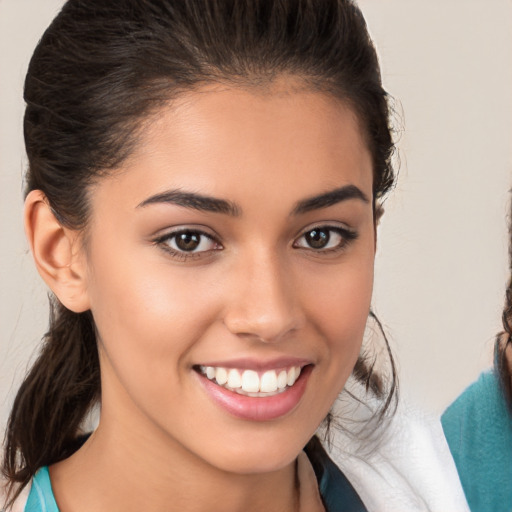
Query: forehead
[[224, 140]]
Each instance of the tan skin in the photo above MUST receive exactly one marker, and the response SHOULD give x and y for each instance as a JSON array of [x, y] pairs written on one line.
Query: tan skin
[[254, 288]]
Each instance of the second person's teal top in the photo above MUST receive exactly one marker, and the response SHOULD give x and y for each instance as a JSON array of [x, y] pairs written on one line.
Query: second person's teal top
[[478, 428]]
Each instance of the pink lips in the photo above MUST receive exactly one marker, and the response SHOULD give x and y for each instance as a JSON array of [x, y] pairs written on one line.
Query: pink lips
[[257, 408]]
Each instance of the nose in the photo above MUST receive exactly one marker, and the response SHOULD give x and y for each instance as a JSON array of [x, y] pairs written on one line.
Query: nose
[[263, 301]]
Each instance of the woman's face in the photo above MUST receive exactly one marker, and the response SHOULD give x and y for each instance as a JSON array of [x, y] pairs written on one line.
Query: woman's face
[[236, 243]]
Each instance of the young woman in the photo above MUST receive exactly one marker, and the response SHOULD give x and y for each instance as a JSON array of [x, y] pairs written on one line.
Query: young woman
[[478, 427], [203, 186]]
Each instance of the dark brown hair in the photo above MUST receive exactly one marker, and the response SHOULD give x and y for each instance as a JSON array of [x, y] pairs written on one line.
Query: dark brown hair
[[103, 67], [502, 364]]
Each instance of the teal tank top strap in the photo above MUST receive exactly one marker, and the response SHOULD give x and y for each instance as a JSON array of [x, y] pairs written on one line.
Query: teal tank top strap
[[40, 498], [338, 494]]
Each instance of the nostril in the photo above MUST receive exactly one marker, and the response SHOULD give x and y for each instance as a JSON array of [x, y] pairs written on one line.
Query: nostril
[[265, 327], [263, 303]]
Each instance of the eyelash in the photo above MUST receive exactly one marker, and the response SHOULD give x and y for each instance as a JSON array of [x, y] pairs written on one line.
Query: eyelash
[[180, 254], [346, 237]]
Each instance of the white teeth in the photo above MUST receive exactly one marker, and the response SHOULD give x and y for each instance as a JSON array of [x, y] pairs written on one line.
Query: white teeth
[[250, 381], [291, 377], [268, 382], [221, 376], [234, 379], [282, 379]]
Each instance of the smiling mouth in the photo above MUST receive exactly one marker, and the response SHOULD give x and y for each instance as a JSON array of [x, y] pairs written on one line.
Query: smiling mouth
[[250, 382]]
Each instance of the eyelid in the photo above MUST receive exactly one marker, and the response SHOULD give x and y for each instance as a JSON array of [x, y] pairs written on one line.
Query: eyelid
[[348, 235], [333, 225], [170, 233], [183, 229], [178, 228]]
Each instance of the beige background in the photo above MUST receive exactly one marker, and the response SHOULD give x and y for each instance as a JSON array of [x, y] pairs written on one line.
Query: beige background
[[442, 258]]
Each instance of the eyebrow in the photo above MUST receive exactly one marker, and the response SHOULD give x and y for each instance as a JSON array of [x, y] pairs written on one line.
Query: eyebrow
[[329, 199], [194, 201], [216, 205]]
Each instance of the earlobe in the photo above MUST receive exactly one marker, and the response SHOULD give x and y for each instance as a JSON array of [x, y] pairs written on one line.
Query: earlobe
[[57, 254]]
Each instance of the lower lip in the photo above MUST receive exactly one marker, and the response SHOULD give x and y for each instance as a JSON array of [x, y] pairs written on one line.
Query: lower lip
[[258, 408]]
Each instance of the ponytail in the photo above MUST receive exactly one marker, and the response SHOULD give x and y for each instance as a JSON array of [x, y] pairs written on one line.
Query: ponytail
[[61, 387]]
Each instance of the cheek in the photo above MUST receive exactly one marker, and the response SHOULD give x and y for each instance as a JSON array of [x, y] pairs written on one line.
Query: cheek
[[338, 305], [147, 330], [345, 296], [143, 311]]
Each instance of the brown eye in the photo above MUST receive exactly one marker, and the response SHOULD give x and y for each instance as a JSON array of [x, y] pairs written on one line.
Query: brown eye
[[187, 241], [317, 238], [325, 238]]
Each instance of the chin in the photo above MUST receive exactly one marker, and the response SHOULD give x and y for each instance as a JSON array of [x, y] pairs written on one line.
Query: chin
[[259, 453], [254, 463]]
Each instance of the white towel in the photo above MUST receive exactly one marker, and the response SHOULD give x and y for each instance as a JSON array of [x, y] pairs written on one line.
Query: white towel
[[403, 464]]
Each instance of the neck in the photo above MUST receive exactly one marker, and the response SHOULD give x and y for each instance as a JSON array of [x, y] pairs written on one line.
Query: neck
[[126, 466]]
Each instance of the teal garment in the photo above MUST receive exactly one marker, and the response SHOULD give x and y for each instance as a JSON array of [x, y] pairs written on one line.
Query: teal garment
[[478, 428], [337, 493], [41, 497]]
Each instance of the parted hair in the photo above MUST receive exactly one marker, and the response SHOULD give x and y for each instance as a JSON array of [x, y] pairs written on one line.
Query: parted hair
[[101, 69]]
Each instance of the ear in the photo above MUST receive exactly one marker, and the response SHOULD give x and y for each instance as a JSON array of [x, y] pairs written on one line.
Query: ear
[[57, 253]]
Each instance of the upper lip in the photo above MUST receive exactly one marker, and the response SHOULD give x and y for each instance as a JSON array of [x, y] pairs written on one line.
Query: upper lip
[[248, 363]]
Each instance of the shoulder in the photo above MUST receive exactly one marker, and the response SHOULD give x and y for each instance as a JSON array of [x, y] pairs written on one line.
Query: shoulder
[[478, 421], [407, 466], [478, 427], [481, 397]]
